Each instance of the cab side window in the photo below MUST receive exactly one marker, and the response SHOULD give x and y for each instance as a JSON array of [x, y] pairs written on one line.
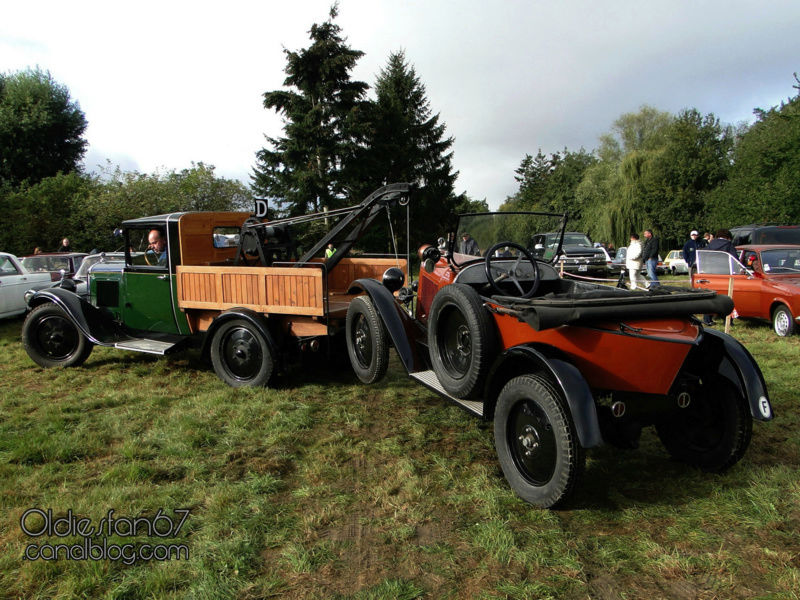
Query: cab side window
[[147, 248]]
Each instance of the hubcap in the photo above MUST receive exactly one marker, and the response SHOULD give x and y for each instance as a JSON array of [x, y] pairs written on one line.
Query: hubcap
[[781, 323], [242, 353], [455, 342], [57, 337], [363, 344], [532, 442]]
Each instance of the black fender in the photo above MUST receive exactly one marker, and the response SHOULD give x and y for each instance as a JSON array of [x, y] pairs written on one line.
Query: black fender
[[569, 380], [397, 322], [95, 324], [740, 368], [256, 319]]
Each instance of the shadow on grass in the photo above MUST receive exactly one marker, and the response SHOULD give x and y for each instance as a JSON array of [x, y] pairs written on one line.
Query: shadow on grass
[[648, 476]]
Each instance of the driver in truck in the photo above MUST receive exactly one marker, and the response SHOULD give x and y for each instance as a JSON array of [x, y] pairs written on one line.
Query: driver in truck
[[157, 246]]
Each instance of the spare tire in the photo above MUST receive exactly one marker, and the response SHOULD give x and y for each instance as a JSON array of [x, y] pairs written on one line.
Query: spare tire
[[462, 340]]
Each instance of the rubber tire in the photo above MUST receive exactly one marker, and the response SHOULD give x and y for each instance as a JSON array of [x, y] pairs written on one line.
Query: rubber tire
[[460, 302], [250, 342], [58, 322], [779, 326], [361, 314], [567, 457], [721, 413]]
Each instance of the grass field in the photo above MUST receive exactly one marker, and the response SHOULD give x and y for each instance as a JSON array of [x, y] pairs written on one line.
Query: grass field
[[323, 488]]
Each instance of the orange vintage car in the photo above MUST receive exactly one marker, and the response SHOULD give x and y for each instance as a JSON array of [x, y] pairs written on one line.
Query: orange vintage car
[[560, 365], [766, 282]]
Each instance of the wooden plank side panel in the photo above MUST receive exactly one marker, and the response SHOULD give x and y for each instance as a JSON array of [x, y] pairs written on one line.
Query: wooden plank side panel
[[264, 289]]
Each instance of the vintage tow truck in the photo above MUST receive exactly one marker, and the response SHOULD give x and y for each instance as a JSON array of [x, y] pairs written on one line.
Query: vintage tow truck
[[225, 281], [561, 365]]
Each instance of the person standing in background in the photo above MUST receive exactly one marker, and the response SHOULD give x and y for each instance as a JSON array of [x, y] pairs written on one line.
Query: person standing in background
[[650, 257], [633, 262], [690, 249]]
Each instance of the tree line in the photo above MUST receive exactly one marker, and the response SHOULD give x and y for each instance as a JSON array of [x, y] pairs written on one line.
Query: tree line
[[672, 174], [339, 142]]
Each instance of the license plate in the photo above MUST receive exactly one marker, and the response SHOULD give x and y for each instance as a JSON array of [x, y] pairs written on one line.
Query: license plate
[[583, 267]]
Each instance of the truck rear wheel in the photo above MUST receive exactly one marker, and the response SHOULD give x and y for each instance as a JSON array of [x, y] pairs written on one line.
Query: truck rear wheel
[[51, 339], [241, 355], [536, 441], [461, 340], [713, 431], [367, 343]]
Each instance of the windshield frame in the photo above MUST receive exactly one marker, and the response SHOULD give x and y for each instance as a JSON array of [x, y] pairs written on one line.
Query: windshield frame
[[452, 243]]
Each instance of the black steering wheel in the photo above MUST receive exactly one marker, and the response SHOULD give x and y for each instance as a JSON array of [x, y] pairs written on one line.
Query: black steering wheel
[[509, 269]]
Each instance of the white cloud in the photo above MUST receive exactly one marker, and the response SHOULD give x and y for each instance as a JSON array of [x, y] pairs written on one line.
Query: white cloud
[[167, 83]]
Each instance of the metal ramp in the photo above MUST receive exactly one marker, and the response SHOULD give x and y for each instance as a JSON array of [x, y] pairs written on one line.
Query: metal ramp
[[430, 381]]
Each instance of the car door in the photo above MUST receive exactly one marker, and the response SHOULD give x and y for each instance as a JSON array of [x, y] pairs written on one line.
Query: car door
[[146, 295], [721, 272]]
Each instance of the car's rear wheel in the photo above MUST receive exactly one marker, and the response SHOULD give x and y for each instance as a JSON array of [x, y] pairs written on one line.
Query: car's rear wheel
[[367, 342], [461, 340], [782, 321], [241, 354], [51, 339], [713, 431], [536, 441]]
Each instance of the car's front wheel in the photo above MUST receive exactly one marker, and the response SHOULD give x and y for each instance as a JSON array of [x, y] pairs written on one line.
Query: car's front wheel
[[536, 441], [461, 339], [51, 339]]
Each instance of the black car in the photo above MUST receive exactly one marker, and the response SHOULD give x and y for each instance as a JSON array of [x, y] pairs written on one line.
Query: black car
[[765, 234], [578, 254]]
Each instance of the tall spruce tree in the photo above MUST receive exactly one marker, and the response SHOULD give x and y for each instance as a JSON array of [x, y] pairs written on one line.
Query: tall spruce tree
[[305, 170], [405, 142]]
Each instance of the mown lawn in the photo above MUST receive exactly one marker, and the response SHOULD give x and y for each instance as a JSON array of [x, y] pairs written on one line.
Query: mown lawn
[[323, 488]]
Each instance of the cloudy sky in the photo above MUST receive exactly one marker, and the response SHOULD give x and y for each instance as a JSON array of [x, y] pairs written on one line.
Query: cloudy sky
[[167, 83]]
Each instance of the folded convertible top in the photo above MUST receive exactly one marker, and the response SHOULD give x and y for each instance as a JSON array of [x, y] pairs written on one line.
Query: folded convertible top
[[597, 304]]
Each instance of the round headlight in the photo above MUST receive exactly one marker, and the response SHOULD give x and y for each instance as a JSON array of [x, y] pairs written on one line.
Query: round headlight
[[393, 279]]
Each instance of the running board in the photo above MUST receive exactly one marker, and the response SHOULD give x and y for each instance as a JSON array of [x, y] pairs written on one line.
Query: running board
[[148, 346], [430, 381]]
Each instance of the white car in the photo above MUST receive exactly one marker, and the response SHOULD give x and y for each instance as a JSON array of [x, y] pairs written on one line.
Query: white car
[[675, 262], [79, 283], [15, 280]]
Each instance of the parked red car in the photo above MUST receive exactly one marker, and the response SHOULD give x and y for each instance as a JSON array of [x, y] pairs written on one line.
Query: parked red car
[[766, 282]]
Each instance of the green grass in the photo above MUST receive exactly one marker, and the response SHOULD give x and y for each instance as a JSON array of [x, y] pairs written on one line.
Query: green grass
[[324, 488]]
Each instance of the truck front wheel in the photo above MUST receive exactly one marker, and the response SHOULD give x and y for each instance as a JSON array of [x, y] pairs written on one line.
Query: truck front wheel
[[51, 339], [367, 342], [241, 355], [536, 441]]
